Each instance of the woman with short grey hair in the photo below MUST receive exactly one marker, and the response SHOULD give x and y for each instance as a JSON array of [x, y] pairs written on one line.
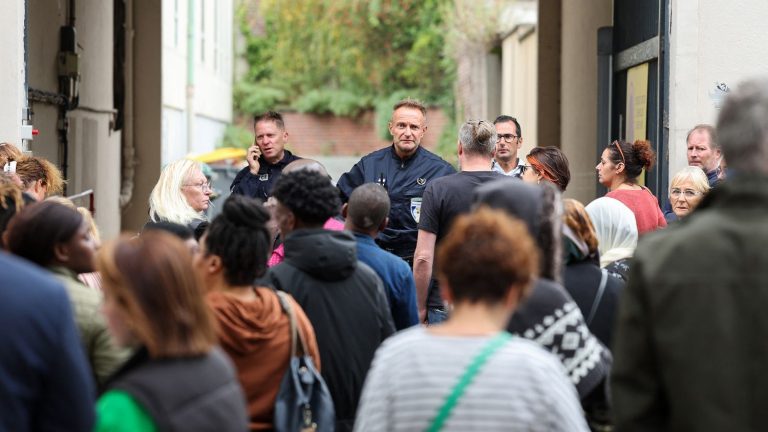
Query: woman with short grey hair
[[686, 189]]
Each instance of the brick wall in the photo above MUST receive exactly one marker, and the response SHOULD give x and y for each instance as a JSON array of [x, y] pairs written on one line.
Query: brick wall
[[327, 135]]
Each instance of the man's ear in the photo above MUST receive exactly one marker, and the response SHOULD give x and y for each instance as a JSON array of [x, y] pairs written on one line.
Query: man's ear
[[519, 143], [383, 224], [459, 148], [344, 210]]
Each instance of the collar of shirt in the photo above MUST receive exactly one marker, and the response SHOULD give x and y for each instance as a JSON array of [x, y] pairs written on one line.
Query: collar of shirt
[[514, 171]]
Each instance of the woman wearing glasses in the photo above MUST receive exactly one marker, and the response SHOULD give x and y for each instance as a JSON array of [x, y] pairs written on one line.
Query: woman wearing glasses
[[686, 189], [181, 195], [620, 165], [547, 163]]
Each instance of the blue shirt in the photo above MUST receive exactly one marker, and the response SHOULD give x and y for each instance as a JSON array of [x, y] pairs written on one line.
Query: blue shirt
[[45, 381], [397, 278]]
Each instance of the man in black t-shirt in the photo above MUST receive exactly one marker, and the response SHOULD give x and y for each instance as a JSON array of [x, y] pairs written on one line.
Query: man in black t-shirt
[[443, 200]]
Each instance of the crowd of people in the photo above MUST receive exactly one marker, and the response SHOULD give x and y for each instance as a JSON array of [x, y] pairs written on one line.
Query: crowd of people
[[406, 296]]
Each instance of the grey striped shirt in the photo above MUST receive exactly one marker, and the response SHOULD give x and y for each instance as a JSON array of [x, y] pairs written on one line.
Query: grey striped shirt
[[520, 387]]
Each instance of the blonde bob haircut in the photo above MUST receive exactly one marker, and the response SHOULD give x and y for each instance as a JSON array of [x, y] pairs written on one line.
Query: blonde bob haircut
[[695, 175], [167, 202]]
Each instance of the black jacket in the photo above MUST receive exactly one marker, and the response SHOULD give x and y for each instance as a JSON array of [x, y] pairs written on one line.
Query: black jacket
[[582, 280], [405, 181], [185, 394], [260, 186], [346, 303]]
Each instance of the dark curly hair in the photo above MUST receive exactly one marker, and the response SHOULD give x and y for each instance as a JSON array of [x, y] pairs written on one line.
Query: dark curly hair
[[634, 156], [309, 195], [239, 236]]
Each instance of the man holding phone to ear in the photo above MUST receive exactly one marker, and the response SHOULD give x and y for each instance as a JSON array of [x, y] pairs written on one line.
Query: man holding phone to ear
[[266, 158]]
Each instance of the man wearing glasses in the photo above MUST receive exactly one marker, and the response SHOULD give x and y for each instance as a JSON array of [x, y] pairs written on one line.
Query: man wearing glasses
[[404, 169], [266, 158], [510, 139]]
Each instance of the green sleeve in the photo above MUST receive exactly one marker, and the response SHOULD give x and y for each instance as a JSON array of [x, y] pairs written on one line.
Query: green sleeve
[[117, 411]]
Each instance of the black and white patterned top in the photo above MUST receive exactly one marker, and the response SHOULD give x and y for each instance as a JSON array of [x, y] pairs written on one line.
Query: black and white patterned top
[[550, 317]]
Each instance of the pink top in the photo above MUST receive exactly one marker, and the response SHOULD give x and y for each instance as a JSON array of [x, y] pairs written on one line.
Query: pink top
[[644, 205], [278, 255]]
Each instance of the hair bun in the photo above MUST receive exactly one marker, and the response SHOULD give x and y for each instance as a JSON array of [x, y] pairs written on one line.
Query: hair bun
[[644, 152]]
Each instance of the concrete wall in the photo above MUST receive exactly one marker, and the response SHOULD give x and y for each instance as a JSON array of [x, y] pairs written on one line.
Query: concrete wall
[[549, 34], [12, 71], [147, 87], [43, 45], [710, 44], [94, 148], [519, 67], [578, 110], [212, 96]]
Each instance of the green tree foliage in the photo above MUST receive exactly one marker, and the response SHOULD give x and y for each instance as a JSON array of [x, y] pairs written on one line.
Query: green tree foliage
[[343, 56]]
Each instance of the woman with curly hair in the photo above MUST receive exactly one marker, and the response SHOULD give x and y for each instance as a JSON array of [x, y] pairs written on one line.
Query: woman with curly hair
[[252, 327], [620, 165], [40, 177]]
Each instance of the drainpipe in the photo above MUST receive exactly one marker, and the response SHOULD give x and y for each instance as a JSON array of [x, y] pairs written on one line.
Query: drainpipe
[[190, 74], [129, 150]]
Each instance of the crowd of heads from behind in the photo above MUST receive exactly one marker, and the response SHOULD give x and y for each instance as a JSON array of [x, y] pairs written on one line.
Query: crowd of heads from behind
[[360, 291]]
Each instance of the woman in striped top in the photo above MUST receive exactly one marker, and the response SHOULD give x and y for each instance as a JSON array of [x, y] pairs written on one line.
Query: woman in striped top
[[468, 373]]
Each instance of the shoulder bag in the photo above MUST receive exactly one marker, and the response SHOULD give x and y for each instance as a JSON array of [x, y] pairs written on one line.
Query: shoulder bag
[[303, 402]]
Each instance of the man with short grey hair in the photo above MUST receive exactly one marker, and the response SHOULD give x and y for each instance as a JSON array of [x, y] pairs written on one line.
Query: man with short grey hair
[[404, 169], [444, 199], [689, 350]]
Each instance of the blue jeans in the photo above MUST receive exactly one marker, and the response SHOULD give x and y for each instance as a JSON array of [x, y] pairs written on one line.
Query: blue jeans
[[436, 316]]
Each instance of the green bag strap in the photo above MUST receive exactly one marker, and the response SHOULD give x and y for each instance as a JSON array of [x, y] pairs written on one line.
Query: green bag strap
[[466, 379]]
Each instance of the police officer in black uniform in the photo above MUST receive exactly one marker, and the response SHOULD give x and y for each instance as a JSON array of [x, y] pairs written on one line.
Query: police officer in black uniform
[[404, 169], [266, 158]]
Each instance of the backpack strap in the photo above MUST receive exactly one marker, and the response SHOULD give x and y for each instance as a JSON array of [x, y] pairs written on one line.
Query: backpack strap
[[598, 296], [298, 345], [466, 379]]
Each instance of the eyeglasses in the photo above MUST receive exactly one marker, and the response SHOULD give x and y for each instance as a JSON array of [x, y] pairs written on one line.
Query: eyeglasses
[[205, 186], [688, 193], [507, 137]]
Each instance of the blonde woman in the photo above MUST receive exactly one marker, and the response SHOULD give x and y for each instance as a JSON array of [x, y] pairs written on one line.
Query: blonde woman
[[181, 195], [686, 189]]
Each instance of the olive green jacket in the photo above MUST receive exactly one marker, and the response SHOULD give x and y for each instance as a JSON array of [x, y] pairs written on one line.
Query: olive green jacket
[[691, 347], [103, 355]]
